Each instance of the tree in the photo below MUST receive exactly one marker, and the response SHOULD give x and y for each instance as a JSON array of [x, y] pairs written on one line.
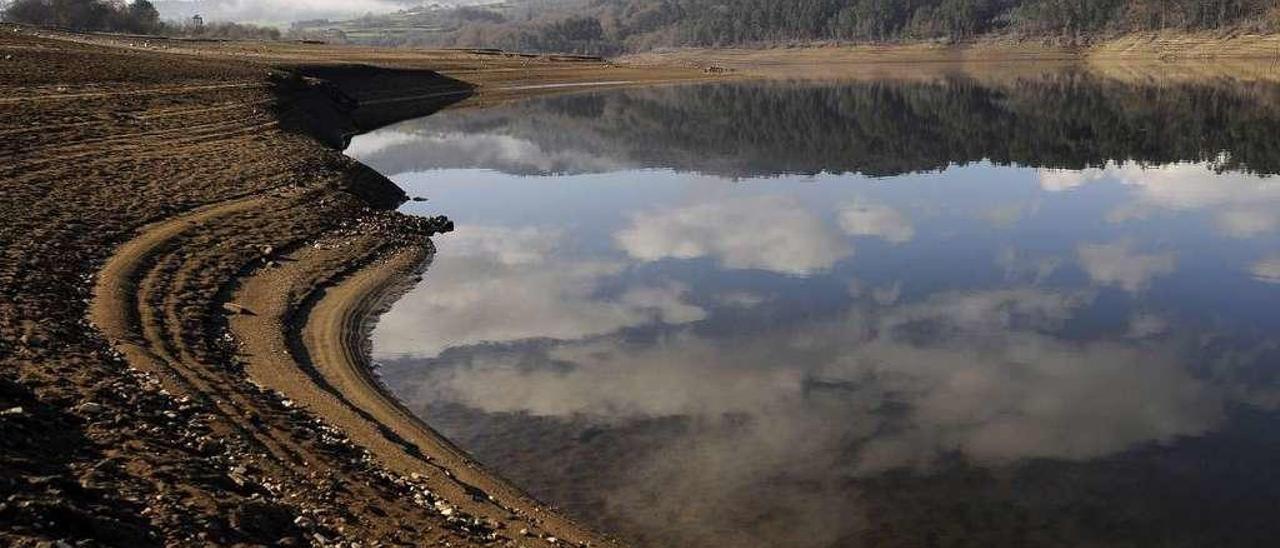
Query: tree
[[144, 16]]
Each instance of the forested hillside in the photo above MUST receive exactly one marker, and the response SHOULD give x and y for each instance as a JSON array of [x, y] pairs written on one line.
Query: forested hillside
[[612, 26]]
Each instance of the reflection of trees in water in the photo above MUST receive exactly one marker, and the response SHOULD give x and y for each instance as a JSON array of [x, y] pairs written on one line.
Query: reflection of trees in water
[[1071, 120]]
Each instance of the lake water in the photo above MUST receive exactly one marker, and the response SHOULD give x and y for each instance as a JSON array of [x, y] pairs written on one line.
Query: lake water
[[1038, 311]]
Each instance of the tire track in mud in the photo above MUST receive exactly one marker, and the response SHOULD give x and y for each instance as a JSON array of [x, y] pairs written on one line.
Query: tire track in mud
[[129, 287], [190, 130], [138, 304], [178, 90], [198, 134]]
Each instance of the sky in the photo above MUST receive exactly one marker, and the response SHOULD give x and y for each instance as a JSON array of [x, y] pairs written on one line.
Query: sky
[[280, 11]]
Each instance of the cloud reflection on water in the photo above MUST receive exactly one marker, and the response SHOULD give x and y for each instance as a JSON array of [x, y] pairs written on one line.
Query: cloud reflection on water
[[977, 372], [1267, 270], [1243, 205], [512, 322], [860, 219], [497, 287], [774, 233], [777, 418], [701, 359], [1118, 264]]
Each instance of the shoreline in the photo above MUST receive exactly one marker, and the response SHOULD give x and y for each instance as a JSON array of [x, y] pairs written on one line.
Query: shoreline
[[238, 261], [241, 262]]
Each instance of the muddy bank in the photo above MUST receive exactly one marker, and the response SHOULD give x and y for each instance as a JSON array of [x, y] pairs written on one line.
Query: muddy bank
[[1206, 53]]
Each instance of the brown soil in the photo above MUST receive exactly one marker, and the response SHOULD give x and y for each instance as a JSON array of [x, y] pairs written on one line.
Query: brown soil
[[188, 266]]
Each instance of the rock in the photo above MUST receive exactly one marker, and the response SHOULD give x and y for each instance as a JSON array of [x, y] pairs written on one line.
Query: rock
[[263, 519], [13, 411], [236, 309], [419, 199], [90, 408], [237, 476]]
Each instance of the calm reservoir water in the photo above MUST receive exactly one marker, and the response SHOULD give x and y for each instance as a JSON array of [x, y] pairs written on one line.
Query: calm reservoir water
[[1036, 312]]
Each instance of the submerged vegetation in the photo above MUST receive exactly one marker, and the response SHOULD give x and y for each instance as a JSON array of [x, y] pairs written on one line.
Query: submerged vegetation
[[612, 26]]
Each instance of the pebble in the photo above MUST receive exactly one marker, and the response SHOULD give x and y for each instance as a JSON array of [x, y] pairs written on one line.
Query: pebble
[[235, 308], [13, 411], [90, 408]]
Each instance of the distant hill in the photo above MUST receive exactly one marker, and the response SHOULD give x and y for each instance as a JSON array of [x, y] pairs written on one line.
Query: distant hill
[[613, 26]]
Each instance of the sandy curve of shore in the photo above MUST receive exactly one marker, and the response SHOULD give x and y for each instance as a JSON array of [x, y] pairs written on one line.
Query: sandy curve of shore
[[299, 316], [301, 319]]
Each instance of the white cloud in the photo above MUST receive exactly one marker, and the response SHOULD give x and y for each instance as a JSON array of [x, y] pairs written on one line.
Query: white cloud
[[976, 373], [1248, 222], [1117, 264], [885, 296], [1243, 205], [1267, 270], [683, 375], [740, 299], [1028, 395], [494, 151], [667, 303], [876, 220], [494, 284], [990, 382], [1142, 326], [1006, 215], [1060, 180], [378, 141], [772, 233], [973, 372], [1023, 266]]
